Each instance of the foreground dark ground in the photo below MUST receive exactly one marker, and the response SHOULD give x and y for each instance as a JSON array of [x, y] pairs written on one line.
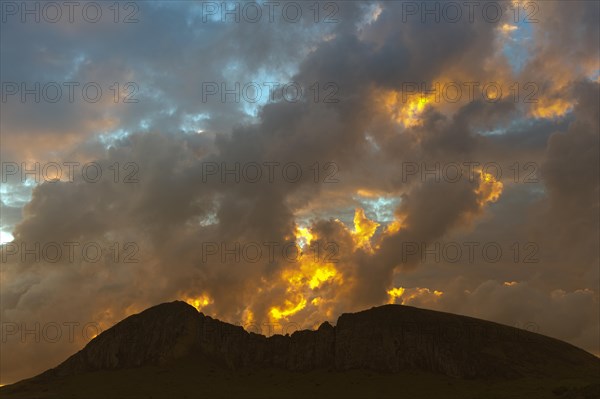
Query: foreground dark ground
[[189, 378]]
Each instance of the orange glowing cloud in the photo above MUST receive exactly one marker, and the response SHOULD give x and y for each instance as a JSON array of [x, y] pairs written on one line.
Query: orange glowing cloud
[[200, 302], [406, 108], [405, 296], [303, 278], [364, 229], [551, 108], [489, 189]]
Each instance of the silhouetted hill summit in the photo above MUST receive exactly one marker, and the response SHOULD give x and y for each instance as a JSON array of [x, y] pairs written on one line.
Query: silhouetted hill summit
[[388, 339]]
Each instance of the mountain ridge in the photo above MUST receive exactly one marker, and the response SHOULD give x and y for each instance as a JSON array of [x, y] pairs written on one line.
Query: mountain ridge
[[389, 339]]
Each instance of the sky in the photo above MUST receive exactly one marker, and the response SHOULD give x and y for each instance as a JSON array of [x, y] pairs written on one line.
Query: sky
[[278, 164]]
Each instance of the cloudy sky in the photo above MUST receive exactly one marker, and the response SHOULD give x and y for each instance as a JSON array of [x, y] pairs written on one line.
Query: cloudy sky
[[276, 164]]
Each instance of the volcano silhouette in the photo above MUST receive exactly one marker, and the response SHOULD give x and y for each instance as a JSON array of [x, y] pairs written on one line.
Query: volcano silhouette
[[173, 351]]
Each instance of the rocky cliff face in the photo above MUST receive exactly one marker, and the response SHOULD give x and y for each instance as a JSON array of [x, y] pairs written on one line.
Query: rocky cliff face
[[154, 336], [388, 338]]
